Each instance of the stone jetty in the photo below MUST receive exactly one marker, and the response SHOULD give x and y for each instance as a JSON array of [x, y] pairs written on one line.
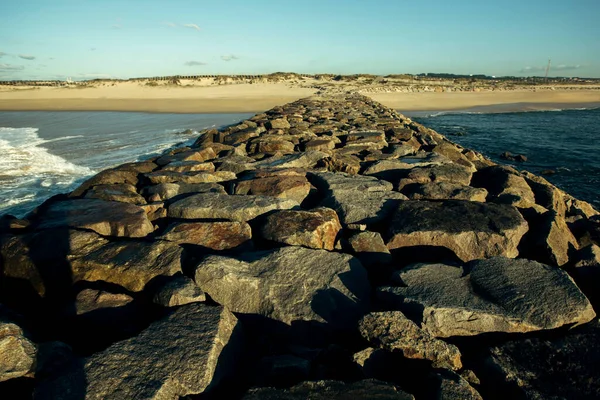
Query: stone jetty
[[329, 248]]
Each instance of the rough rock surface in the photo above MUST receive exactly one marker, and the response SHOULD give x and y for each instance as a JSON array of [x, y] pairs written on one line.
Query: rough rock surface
[[498, 295], [234, 208], [17, 353], [321, 286], [178, 291], [108, 218], [471, 230], [393, 332], [179, 355], [214, 235], [315, 229]]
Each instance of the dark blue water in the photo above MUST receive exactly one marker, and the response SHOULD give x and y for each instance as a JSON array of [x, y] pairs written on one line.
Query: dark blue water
[[564, 141]]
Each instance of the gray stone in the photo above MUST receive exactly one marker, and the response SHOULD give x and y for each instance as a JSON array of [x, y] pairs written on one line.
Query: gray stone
[[506, 185], [499, 295], [471, 230], [288, 284], [108, 218], [189, 166], [450, 386], [189, 177], [177, 291], [393, 332], [186, 353], [220, 206], [331, 390], [17, 353], [370, 248], [128, 264], [90, 300], [307, 159], [450, 172], [315, 229]]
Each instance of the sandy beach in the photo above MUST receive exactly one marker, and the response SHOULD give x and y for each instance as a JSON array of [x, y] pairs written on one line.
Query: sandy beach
[[209, 96]]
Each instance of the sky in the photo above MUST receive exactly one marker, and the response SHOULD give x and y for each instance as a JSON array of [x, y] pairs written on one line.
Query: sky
[[87, 39]]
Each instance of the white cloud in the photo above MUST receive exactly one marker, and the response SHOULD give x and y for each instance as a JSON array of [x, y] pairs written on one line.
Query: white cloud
[[530, 69], [563, 67], [192, 26], [229, 57], [11, 67], [194, 63], [26, 57]]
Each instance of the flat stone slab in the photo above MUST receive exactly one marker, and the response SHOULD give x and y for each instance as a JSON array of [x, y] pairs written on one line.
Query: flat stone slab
[[108, 218], [180, 355], [128, 264], [498, 295], [288, 284], [444, 191], [213, 235], [471, 230], [220, 206]]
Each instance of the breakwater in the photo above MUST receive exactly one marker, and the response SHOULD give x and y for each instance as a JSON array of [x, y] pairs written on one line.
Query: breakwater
[[328, 248]]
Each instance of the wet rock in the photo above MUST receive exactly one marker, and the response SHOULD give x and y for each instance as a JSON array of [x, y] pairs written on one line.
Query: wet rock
[[189, 177], [288, 284], [121, 192], [185, 353], [393, 332], [166, 191], [498, 295], [283, 187], [444, 191], [128, 264], [219, 206], [370, 248], [558, 368], [315, 229], [331, 390], [357, 199], [108, 218], [90, 300], [18, 352], [212, 235], [177, 291], [471, 230], [513, 157]]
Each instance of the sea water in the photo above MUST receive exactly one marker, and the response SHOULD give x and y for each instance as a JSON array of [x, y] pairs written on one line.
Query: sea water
[[47, 153], [563, 145]]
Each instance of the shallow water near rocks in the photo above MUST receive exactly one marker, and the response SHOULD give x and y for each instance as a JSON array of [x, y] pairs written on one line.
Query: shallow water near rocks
[[566, 142], [47, 153]]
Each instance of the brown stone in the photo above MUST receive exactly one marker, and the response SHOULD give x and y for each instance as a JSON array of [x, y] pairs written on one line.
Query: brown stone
[[213, 235], [284, 187]]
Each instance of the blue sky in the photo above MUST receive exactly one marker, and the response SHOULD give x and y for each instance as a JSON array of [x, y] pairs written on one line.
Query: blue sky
[[85, 39]]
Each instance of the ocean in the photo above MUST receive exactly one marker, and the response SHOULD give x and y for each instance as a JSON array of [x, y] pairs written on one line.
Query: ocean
[[46, 153], [562, 145]]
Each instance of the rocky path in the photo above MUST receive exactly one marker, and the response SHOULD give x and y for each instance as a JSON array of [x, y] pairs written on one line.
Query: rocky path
[[329, 248]]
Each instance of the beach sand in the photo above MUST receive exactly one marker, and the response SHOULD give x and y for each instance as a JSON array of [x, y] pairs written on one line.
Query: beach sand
[[208, 97]]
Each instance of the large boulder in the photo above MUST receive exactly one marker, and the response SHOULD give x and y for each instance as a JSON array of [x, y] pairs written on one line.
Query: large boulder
[[288, 284], [505, 185], [498, 295], [444, 191], [108, 218], [358, 199], [220, 206], [130, 264], [315, 229], [17, 353], [213, 235], [449, 172], [283, 187], [471, 230], [122, 192], [166, 191], [161, 176], [187, 352], [393, 332]]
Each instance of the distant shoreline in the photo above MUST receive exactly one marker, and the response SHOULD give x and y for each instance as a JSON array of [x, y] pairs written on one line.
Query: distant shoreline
[[208, 97]]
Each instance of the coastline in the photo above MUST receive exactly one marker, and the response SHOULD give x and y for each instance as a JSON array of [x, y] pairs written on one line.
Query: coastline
[[257, 97]]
